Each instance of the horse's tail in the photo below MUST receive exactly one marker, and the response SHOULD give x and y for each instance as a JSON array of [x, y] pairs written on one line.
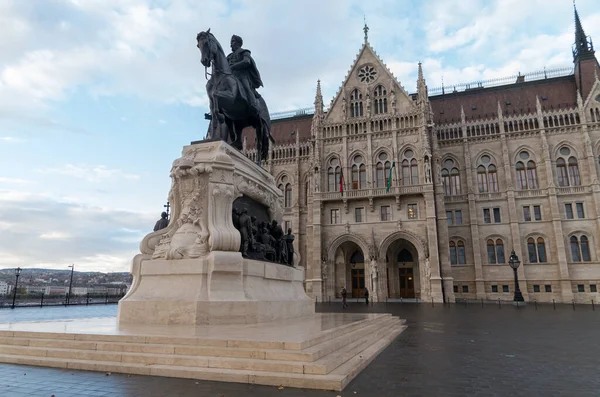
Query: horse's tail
[[266, 138]]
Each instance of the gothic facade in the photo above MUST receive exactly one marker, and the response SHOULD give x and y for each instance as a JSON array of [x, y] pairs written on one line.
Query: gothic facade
[[424, 195]]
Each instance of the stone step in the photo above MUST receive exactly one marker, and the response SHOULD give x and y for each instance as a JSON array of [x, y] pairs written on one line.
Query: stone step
[[351, 368], [102, 350], [333, 360], [88, 341], [364, 350], [202, 357]]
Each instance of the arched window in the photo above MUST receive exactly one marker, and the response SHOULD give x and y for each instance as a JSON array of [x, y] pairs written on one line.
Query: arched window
[[359, 173], [491, 251], [451, 178], [356, 105], [526, 172], [487, 176], [333, 175], [536, 248], [382, 169], [580, 249], [567, 169], [482, 182], [288, 195], [457, 253], [380, 100], [410, 168], [495, 251], [286, 189]]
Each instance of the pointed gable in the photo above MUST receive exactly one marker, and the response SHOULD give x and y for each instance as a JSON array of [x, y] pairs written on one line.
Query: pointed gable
[[368, 72]]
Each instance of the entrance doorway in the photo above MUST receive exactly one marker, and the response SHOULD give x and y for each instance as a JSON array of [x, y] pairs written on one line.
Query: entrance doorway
[[358, 283], [407, 282]]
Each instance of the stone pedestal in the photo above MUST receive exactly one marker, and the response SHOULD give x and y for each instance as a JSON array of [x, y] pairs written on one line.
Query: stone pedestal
[[192, 272]]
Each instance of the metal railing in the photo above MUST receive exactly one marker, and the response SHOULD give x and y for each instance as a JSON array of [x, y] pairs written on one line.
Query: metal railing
[[44, 300]]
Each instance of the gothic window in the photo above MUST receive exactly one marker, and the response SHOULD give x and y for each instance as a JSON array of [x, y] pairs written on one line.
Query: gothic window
[[359, 173], [410, 169], [367, 74], [356, 105], [457, 253], [526, 172], [451, 178], [382, 169], [495, 251], [580, 249], [536, 248], [487, 176], [380, 100], [333, 175], [567, 169], [286, 189]]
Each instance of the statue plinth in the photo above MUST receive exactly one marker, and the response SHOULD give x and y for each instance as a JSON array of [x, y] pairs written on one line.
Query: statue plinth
[[192, 272]]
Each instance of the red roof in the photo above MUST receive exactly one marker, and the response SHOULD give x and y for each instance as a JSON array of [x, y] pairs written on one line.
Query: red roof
[[283, 130], [518, 98]]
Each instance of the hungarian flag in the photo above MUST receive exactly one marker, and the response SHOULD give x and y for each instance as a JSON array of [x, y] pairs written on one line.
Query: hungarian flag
[[389, 181], [342, 181]]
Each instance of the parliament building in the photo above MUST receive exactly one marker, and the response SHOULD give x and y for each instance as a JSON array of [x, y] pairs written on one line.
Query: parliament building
[[424, 195]]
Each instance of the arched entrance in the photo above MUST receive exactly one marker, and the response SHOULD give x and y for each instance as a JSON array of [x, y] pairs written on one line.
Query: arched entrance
[[350, 269], [402, 270]]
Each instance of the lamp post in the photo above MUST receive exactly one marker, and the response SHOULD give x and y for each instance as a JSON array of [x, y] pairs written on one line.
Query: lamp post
[[17, 274], [70, 284], [514, 262]]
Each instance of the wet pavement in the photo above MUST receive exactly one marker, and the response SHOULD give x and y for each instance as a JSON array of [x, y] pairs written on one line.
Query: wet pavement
[[452, 350]]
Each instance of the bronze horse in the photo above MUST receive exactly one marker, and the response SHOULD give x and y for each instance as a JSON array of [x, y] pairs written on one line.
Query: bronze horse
[[230, 112]]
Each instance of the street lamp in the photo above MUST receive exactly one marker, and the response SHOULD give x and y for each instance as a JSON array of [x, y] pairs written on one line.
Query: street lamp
[[514, 262], [17, 274], [70, 284]]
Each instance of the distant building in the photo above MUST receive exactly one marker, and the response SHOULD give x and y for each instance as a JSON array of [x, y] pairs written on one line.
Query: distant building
[[4, 288]]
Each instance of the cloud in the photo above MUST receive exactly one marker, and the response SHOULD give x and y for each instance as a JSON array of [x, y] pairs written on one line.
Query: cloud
[[90, 173], [14, 181], [55, 236], [10, 139], [38, 230]]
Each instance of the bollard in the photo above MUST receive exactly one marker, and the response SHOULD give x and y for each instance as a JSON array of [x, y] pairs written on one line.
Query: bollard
[[400, 300], [593, 308], [517, 303], [554, 304], [42, 301], [431, 302], [465, 302], [499, 304], [573, 304], [482, 302], [535, 303]]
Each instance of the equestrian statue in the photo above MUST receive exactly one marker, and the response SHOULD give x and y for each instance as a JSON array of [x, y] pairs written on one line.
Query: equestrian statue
[[231, 89]]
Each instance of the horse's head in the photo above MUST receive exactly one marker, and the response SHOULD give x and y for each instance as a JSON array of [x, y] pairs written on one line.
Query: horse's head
[[206, 46]]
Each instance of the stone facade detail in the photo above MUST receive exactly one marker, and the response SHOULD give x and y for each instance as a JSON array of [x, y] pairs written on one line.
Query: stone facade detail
[[478, 173]]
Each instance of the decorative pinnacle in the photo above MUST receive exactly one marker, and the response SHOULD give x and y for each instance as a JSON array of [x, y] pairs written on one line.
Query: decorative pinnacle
[[366, 30]]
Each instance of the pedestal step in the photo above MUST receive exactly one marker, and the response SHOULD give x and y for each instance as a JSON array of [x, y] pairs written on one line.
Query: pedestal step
[[328, 360], [275, 373]]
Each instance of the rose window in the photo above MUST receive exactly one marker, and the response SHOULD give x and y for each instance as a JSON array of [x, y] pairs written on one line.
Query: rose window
[[367, 74]]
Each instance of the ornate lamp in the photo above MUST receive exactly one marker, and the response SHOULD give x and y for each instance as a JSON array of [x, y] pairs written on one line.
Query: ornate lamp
[[17, 274], [514, 263]]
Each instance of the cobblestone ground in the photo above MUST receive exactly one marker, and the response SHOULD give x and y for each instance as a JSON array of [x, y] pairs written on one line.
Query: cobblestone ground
[[446, 351]]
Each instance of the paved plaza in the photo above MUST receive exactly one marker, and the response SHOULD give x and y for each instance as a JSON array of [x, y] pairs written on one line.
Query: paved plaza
[[454, 350]]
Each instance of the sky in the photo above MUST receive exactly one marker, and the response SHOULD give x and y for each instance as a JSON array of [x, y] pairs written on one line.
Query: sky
[[98, 97]]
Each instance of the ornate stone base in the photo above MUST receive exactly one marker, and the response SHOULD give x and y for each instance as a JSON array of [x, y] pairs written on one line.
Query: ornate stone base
[[220, 289], [191, 272]]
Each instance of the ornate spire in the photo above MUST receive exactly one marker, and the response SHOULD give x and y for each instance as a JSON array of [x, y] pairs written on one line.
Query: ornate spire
[[366, 30], [421, 86], [583, 47], [319, 99]]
